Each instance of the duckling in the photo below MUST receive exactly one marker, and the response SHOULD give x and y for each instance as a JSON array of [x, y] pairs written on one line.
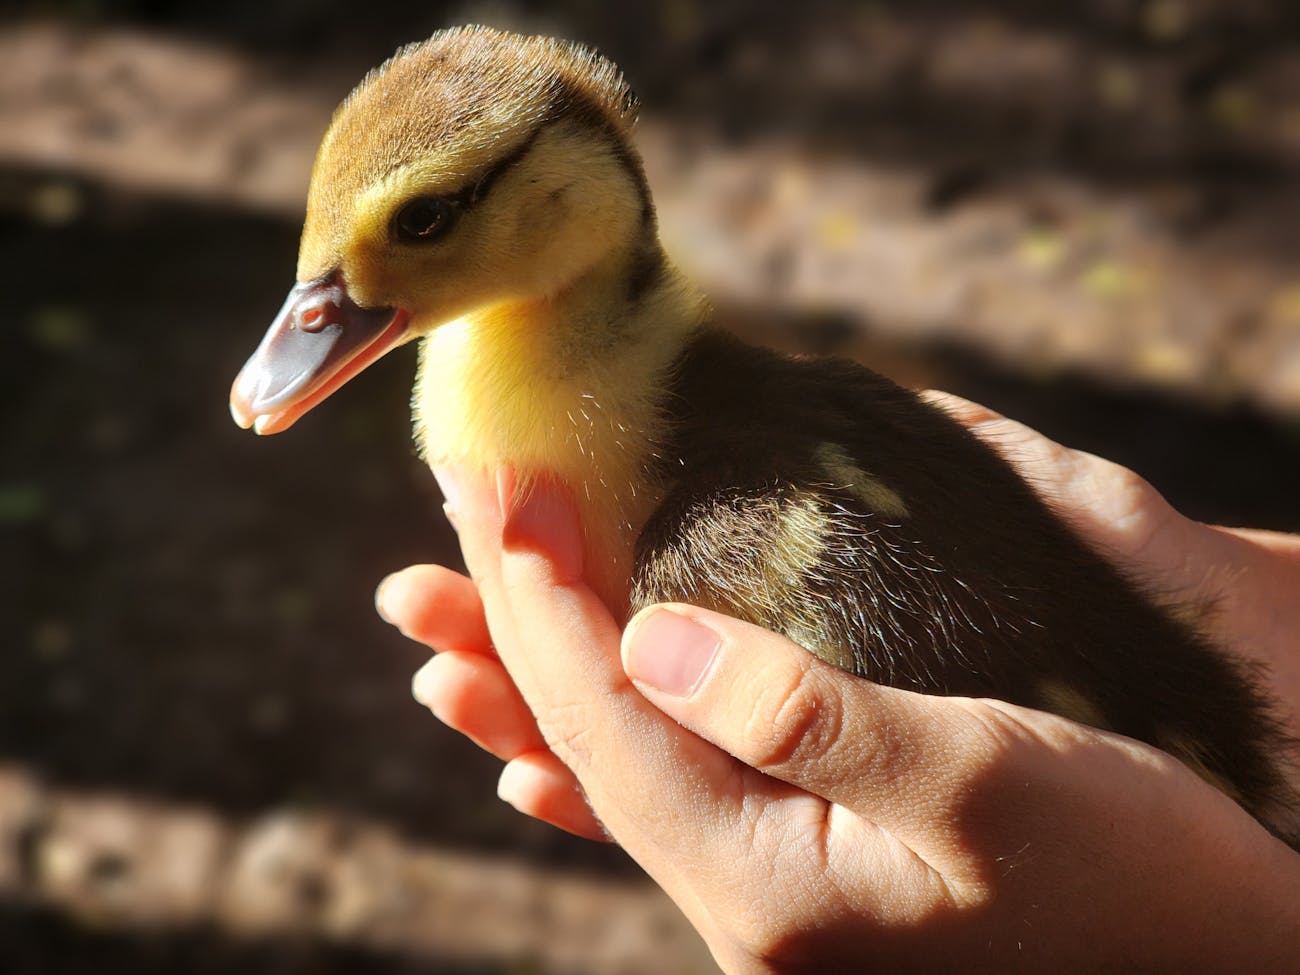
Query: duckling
[[479, 192]]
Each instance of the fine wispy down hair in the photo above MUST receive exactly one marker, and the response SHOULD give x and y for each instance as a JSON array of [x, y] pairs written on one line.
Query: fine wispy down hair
[[471, 80]]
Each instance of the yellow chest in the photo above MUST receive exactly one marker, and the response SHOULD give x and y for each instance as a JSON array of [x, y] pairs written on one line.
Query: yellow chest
[[490, 393]]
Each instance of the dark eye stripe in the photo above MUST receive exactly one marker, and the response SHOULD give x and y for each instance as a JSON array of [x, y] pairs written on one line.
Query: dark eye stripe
[[427, 218], [480, 188]]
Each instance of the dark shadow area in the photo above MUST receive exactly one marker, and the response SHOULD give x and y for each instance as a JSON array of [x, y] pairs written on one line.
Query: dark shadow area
[[38, 941]]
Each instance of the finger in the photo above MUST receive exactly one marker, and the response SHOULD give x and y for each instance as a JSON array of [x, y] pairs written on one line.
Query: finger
[[578, 689], [539, 785], [1019, 444], [638, 767], [1114, 509], [474, 695], [474, 503], [964, 411], [880, 751], [436, 606]]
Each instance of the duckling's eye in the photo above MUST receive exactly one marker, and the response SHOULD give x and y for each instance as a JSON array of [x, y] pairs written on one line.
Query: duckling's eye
[[423, 219]]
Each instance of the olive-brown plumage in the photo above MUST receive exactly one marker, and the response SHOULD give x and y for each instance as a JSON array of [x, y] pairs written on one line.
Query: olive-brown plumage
[[949, 576], [479, 193]]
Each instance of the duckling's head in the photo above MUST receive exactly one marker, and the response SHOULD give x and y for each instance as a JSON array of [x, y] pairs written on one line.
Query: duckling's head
[[474, 169]]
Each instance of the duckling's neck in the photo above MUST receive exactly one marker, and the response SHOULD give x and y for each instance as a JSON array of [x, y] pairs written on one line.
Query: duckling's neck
[[570, 387]]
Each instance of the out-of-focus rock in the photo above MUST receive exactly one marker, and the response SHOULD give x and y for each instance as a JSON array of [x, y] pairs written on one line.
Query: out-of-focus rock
[[112, 860], [115, 861], [22, 804]]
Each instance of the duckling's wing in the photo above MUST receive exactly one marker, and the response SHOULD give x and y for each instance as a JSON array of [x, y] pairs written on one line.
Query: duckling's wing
[[817, 561], [819, 500]]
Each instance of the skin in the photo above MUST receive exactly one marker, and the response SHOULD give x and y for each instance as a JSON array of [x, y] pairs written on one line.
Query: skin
[[805, 819]]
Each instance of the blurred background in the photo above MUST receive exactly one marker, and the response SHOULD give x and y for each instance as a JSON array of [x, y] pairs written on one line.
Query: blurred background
[[1080, 214]]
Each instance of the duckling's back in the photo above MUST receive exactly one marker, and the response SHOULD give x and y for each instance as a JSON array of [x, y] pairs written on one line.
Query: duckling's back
[[820, 500]]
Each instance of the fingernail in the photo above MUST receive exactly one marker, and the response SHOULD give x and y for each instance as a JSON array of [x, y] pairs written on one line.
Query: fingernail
[[379, 598], [540, 518], [450, 513], [670, 652], [420, 684], [513, 784]]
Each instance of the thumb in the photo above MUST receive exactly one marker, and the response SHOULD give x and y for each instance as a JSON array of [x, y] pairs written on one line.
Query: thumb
[[894, 756]]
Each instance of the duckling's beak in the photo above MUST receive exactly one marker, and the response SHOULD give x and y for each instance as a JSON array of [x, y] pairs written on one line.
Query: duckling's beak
[[320, 339]]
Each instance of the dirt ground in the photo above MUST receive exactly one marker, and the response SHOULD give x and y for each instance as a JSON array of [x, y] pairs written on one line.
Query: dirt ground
[[193, 647]]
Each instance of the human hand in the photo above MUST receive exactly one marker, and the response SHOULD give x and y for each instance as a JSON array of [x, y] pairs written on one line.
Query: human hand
[[1244, 581], [838, 819]]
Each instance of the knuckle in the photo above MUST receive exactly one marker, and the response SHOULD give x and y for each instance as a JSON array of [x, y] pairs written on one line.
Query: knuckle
[[1134, 493], [1130, 482], [1028, 763], [797, 719], [1002, 734], [996, 768]]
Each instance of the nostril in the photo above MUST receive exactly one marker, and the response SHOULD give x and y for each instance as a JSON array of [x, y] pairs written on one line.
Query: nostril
[[316, 318]]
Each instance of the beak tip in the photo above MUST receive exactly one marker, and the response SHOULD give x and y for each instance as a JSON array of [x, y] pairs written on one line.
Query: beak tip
[[243, 409]]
